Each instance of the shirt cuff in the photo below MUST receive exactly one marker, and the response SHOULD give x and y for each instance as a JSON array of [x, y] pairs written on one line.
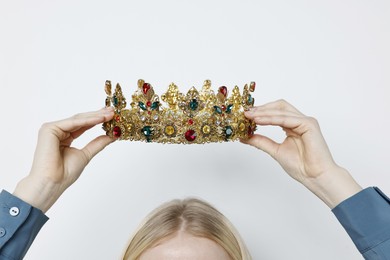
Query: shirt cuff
[[19, 225], [366, 218]]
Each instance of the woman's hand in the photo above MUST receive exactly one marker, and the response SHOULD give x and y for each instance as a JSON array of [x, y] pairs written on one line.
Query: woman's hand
[[56, 164], [304, 154]]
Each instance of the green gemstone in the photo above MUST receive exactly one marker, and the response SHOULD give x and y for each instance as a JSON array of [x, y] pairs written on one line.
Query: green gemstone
[[250, 100], [154, 105], [194, 104], [228, 131], [229, 108], [147, 131], [217, 109], [142, 105], [115, 100]]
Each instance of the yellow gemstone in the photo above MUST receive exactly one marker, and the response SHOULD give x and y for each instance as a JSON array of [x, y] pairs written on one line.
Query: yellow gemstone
[[169, 130], [129, 127], [206, 129], [241, 127]]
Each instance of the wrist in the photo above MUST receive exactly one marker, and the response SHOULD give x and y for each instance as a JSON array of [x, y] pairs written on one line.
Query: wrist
[[333, 186], [38, 193]]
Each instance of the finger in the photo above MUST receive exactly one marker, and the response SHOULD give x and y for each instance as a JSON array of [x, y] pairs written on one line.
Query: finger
[[81, 131], [92, 113], [95, 146], [269, 112], [289, 122], [51, 134], [278, 105], [299, 125], [74, 135], [263, 143], [86, 120]]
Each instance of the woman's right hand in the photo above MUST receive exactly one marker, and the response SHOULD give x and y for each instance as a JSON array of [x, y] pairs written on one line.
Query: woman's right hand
[[57, 164], [304, 154]]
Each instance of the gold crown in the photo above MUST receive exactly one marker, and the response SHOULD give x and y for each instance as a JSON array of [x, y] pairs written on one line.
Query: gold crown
[[197, 117]]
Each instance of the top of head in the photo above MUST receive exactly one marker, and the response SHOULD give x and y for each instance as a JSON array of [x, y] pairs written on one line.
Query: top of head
[[197, 117]]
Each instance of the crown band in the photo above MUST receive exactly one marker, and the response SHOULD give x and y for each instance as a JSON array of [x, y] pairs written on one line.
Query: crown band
[[197, 117]]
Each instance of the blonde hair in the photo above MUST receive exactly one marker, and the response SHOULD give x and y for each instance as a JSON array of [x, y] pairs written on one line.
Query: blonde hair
[[193, 216]]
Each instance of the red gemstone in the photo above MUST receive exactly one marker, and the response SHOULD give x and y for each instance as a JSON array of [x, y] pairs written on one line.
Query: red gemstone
[[149, 112], [223, 107], [223, 90], [117, 118], [145, 88], [190, 121], [149, 103], [190, 135], [117, 132]]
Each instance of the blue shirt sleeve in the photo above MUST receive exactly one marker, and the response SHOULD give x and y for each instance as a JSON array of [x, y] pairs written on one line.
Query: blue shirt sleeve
[[366, 218], [19, 225]]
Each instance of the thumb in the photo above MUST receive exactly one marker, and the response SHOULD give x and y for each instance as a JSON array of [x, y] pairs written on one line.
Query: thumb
[[263, 143], [96, 145]]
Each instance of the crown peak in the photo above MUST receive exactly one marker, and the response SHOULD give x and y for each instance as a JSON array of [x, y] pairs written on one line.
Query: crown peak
[[107, 87]]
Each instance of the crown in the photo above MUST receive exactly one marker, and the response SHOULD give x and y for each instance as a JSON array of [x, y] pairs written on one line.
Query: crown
[[197, 117]]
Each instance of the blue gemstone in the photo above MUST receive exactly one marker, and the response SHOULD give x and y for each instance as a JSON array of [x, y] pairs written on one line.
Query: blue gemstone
[[142, 105], [217, 109]]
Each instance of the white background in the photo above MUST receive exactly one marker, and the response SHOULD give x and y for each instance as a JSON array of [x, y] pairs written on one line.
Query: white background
[[331, 59]]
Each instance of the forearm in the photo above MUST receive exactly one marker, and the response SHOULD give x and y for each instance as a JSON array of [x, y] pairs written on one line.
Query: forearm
[[333, 186]]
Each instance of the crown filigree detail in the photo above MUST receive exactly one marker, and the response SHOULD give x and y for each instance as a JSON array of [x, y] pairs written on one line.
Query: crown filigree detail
[[196, 117]]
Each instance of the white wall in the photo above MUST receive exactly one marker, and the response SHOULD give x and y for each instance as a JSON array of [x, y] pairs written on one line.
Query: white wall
[[331, 59]]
